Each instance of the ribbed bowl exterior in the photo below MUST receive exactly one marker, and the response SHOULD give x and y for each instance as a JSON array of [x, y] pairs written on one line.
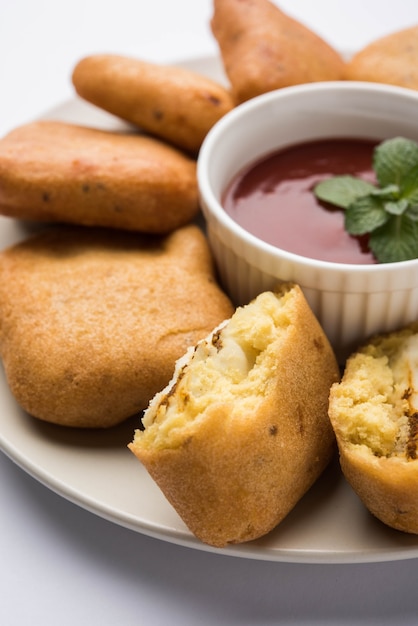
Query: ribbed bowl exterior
[[349, 308]]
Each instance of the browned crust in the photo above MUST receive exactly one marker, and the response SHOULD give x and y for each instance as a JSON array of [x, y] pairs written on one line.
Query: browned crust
[[386, 482], [233, 480], [92, 321], [392, 59], [173, 103], [55, 171], [388, 487], [264, 49]]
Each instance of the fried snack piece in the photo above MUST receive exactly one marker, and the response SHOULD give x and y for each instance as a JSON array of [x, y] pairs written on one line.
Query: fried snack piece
[[264, 49], [392, 59], [173, 103], [59, 172], [374, 412], [93, 320], [242, 432]]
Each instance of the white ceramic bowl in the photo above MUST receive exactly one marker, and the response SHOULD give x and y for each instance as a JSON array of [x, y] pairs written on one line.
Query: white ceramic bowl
[[352, 302]]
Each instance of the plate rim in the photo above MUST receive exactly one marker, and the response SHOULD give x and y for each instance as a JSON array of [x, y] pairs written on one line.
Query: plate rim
[[184, 538]]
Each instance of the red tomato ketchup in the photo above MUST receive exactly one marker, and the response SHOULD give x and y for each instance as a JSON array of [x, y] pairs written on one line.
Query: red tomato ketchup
[[274, 199]]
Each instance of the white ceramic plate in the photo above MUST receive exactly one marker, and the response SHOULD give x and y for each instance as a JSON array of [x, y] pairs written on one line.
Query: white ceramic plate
[[97, 471]]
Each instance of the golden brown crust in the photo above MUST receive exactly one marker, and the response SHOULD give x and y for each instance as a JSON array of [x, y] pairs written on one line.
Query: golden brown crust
[[374, 417], [92, 321], [59, 172], [173, 103], [392, 59], [387, 486], [235, 476], [265, 49]]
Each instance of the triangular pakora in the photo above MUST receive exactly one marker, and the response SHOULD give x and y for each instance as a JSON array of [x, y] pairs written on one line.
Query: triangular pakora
[[264, 49]]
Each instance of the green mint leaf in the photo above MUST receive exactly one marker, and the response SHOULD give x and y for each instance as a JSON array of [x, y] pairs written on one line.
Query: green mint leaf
[[395, 162], [396, 240], [390, 192], [396, 208], [388, 211], [412, 212], [411, 195], [342, 190], [365, 215]]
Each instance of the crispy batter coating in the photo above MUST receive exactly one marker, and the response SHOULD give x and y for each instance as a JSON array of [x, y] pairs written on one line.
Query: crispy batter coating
[[374, 413], [59, 172], [264, 49], [93, 320], [173, 103], [242, 431], [392, 59]]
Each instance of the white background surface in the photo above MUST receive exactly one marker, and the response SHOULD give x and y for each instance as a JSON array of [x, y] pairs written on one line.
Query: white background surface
[[59, 564]]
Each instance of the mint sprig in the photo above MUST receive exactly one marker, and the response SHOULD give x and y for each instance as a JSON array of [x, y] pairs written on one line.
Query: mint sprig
[[388, 211]]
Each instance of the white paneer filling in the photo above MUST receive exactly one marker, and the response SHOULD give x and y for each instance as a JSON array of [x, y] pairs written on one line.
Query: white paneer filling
[[233, 365], [376, 403]]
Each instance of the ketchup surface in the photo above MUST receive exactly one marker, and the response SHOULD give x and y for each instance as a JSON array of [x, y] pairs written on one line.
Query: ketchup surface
[[274, 200]]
